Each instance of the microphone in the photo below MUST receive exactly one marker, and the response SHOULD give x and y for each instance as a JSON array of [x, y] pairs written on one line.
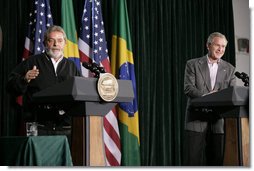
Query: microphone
[[87, 65], [244, 77], [94, 68], [238, 74], [97, 67]]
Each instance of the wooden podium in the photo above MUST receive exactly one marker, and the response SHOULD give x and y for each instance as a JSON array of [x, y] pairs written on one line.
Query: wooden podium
[[79, 98], [232, 104]]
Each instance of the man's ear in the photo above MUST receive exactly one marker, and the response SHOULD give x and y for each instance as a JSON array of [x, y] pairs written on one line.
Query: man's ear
[[207, 46]]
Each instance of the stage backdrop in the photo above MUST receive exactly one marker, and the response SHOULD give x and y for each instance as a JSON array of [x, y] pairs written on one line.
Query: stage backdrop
[[165, 34]]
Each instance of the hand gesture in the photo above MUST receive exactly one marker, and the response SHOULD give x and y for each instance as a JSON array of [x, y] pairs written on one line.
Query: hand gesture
[[31, 74]]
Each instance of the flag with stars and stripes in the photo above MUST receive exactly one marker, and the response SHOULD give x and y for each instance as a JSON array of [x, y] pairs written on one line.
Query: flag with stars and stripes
[[40, 19], [93, 48]]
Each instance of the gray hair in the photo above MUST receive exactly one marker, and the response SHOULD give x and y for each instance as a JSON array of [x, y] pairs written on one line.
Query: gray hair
[[53, 29], [213, 35]]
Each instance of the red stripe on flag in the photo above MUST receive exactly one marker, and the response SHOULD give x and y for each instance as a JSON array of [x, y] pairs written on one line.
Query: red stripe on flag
[[114, 112], [110, 158], [83, 57], [106, 65], [111, 131], [26, 54], [19, 100]]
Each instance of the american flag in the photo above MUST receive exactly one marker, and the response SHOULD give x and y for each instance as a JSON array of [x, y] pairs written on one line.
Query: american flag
[[40, 19], [93, 48]]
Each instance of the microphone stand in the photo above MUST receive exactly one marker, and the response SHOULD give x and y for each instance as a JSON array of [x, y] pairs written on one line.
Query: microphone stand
[[94, 68], [244, 77]]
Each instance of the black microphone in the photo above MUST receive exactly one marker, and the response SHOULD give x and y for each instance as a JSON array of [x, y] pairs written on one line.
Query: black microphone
[[244, 77], [87, 65], [238, 74], [99, 68], [94, 68]]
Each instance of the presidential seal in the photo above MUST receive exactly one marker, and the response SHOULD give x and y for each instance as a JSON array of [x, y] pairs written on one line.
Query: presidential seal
[[107, 87]]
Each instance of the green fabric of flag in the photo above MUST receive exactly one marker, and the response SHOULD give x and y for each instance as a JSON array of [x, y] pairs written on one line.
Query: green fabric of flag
[[68, 23], [122, 65]]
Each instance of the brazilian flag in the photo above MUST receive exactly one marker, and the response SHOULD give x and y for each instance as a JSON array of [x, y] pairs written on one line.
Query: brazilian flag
[[68, 23], [122, 66]]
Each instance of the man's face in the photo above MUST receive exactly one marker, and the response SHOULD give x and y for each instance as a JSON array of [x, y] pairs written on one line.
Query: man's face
[[55, 44], [217, 48]]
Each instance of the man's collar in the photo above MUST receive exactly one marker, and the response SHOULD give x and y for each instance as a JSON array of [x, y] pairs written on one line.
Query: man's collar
[[209, 61]]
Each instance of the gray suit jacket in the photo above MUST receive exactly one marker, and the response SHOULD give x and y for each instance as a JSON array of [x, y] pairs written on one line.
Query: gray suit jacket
[[197, 83]]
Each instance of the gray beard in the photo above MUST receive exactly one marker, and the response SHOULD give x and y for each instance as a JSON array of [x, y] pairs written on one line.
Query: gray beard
[[52, 55]]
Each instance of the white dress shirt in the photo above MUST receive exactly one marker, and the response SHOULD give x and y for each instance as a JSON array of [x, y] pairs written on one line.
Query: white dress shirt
[[55, 63], [213, 68]]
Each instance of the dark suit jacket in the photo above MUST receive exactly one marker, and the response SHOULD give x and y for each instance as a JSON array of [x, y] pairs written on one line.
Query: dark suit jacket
[[197, 83], [46, 78]]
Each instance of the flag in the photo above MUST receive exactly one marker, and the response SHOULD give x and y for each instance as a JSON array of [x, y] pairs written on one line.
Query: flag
[[122, 65], [40, 19], [68, 23], [93, 48]]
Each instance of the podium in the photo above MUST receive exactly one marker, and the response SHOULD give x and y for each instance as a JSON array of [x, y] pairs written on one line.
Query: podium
[[232, 104], [79, 98]]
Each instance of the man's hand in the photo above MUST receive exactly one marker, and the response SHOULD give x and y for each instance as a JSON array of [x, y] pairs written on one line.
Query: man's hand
[[213, 91], [31, 74]]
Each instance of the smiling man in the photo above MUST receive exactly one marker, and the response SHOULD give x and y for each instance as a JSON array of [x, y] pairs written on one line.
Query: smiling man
[[41, 71], [204, 141]]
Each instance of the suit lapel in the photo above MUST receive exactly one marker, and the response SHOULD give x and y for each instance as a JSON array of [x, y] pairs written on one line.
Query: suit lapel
[[205, 72]]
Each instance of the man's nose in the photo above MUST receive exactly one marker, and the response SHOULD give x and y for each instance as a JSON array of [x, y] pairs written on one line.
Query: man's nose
[[55, 43]]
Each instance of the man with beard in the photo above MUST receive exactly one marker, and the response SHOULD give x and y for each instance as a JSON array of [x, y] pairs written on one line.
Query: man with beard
[[39, 72]]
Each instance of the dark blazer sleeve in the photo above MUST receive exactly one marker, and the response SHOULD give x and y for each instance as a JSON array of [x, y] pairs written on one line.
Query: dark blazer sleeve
[[16, 84], [190, 77]]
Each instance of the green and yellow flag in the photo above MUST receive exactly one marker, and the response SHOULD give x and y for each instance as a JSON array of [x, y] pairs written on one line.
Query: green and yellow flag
[[68, 23], [122, 65]]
